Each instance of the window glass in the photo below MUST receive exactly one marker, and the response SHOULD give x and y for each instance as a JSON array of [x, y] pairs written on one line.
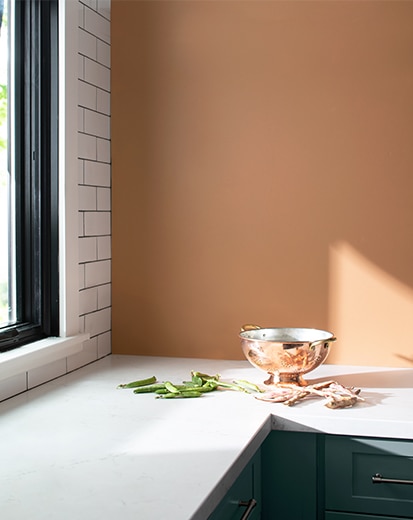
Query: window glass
[[5, 307]]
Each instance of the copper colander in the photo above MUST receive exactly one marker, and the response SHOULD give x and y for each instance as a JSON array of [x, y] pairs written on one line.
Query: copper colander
[[285, 353]]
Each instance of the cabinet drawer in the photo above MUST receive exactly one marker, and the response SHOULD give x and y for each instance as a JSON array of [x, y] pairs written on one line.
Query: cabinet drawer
[[350, 464], [330, 515]]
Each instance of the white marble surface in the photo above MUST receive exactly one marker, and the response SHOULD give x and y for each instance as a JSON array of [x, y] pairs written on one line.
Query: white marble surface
[[78, 448]]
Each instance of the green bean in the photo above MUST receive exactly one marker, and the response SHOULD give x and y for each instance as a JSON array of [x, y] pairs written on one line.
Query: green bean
[[149, 388], [141, 382]]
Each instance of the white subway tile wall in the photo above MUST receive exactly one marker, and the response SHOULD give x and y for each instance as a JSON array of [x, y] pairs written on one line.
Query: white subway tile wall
[[94, 181], [94, 178]]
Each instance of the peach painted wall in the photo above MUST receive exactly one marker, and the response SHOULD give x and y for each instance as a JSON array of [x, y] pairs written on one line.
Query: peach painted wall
[[262, 172]]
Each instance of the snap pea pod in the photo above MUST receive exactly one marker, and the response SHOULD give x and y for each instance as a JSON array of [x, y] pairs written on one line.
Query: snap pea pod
[[249, 387], [140, 382], [193, 384], [177, 395], [197, 381], [231, 386], [206, 387], [200, 383], [147, 389], [204, 377], [171, 388], [162, 390]]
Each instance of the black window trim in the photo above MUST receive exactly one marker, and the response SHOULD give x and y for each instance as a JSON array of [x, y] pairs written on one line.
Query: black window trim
[[36, 175]]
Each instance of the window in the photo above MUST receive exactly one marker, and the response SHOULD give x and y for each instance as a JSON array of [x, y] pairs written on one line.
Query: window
[[29, 219]]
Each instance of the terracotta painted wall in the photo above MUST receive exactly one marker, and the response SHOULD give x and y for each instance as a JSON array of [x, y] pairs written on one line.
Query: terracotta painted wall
[[262, 172]]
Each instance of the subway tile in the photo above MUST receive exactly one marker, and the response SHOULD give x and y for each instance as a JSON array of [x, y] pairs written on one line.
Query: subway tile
[[87, 198], [80, 170], [81, 15], [103, 53], [103, 150], [40, 375], [103, 101], [86, 146], [97, 273], [104, 344], [87, 249], [81, 224], [97, 223], [90, 3], [97, 124], [88, 300], [82, 324], [80, 119], [81, 269], [97, 25], [98, 322], [87, 44], [103, 7], [104, 247], [87, 96], [97, 74], [104, 294], [85, 356], [103, 199], [80, 67], [97, 174], [13, 386]]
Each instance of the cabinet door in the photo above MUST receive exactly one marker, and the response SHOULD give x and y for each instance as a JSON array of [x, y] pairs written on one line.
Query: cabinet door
[[289, 476], [350, 465], [245, 488]]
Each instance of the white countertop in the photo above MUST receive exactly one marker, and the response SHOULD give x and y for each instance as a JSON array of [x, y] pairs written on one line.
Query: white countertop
[[79, 448]]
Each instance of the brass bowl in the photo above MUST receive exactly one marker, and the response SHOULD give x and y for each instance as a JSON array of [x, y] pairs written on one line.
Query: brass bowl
[[286, 353]]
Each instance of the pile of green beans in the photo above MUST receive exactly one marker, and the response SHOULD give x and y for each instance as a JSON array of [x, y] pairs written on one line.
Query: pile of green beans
[[198, 385]]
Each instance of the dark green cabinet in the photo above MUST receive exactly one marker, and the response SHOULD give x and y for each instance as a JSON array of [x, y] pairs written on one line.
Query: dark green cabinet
[[368, 475], [290, 476], [314, 476], [244, 495]]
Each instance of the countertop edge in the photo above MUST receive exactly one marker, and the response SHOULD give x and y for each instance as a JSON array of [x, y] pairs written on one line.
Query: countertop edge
[[223, 485]]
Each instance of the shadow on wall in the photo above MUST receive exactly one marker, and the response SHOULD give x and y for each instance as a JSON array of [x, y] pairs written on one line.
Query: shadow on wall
[[371, 312]]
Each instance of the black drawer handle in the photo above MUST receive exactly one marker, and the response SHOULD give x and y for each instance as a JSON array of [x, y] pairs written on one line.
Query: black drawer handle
[[250, 506], [378, 479]]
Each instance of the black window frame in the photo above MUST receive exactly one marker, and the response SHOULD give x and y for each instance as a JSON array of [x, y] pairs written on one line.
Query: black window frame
[[36, 174]]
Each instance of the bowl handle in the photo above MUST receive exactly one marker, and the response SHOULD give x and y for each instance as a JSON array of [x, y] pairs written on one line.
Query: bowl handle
[[329, 340], [249, 326]]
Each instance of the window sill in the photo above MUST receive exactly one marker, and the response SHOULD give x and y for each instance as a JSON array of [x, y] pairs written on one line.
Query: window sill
[[38, 354]]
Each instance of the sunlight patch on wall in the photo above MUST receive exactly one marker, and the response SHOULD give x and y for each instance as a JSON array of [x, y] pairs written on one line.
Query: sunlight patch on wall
[[370, 312]]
